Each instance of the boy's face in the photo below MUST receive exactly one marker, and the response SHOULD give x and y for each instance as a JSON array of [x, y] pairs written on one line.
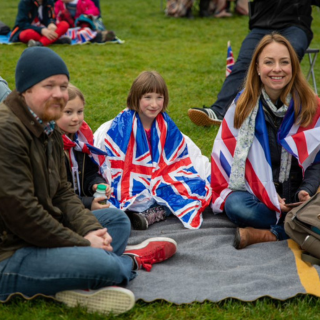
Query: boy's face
[[151, 104], [73, 116], [48, 97]]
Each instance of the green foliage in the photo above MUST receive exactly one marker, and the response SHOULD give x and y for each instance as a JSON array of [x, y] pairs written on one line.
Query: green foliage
[[191, 56]]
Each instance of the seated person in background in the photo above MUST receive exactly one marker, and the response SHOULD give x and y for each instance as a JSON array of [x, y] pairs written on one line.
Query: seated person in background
[[155, 170], [70, 10], [207, 8], [36, 24], [82, 14], [81, 157], [266, 152], [43, 223], [4, 89], [292, 19]]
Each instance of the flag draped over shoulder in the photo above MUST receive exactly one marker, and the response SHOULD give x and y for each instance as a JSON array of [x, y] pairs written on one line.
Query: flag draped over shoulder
[[83, 141], [165, 174], [302, 142], [230, 60]]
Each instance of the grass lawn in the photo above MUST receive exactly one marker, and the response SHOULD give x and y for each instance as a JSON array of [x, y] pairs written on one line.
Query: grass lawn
[[191, 56]]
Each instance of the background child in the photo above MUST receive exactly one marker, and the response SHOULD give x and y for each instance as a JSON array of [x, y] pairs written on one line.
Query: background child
[[155, 170], [83, 14], [80, 155]]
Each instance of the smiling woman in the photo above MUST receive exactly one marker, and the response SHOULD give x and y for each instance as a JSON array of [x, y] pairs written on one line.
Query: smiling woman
[[253, 174], [274, 68]]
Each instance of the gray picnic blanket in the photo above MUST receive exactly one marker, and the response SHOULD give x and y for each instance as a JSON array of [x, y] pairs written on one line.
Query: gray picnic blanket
[[207, 266]]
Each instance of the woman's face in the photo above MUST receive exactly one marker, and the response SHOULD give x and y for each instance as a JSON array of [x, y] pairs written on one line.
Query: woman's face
[[275, 69]]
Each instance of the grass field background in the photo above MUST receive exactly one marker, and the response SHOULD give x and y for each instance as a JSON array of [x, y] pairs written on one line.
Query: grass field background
[[191, 56]]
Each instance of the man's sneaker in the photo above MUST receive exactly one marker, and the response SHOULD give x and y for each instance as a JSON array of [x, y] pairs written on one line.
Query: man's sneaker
[[204, 117], [151, 251], [34, 43], [63, 40], [109, 299], [138, 221]]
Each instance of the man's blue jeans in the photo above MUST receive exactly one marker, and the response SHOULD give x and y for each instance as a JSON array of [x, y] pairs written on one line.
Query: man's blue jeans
[[234, 82], [33, 270], [245, 210]]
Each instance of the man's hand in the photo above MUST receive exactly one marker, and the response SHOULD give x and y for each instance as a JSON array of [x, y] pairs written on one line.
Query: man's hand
[[100, 239]]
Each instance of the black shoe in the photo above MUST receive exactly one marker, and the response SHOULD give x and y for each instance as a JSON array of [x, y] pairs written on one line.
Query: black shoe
[[204, 117], [63, 40], [138, 221], [34, 43]]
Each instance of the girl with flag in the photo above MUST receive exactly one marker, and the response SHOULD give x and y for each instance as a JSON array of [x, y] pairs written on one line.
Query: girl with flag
[[266, 152], [82, 159], [155, 170]]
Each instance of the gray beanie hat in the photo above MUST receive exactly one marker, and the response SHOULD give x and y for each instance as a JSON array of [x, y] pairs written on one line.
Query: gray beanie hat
[[37, 64]]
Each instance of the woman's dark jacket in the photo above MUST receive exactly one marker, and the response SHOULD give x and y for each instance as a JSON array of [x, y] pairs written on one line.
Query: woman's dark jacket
[[290, 188], [88, 176]]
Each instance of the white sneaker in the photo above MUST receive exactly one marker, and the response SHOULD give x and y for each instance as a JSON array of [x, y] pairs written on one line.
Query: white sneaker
[[109, 299]]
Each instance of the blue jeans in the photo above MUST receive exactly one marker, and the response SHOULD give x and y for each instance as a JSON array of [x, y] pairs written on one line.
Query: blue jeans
[[245, 210], [234, 82], [33, 270]]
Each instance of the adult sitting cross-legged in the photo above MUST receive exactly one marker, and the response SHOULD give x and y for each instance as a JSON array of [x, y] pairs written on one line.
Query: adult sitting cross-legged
[[49, 243]]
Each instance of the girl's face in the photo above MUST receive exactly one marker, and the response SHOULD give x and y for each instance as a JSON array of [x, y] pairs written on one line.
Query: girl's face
[[73, 115], [274, 66], [151, 104]]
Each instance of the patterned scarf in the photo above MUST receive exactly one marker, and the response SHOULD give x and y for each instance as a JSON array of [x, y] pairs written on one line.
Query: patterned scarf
[[244, 143], [82, 142]]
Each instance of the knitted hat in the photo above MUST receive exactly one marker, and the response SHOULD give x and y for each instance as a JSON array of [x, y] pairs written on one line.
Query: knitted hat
[[37, 64]]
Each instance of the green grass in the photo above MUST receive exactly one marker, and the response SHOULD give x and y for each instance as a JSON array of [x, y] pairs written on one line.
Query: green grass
[[191, 56]]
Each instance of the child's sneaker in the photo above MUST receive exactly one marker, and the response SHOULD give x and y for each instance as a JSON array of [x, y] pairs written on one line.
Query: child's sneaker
[[109, 299], [150, 251]]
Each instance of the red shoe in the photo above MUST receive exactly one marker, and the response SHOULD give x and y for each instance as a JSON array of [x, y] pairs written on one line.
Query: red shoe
[[150, 251]]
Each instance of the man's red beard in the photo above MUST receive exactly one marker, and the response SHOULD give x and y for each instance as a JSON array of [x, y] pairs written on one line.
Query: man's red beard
[[48, 116]]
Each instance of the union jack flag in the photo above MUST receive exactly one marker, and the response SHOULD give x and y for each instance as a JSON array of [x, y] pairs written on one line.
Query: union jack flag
[[230, 60], [301, 142], [81, 36], [165, 174]]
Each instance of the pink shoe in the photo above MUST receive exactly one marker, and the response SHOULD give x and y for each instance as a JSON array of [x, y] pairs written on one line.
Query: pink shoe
[[150, 251]]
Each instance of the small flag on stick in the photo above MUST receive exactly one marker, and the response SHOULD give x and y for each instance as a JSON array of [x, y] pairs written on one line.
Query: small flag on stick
[[230, 60]]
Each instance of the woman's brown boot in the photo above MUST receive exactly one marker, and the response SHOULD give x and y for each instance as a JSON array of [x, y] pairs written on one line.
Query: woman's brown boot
[[246, 236]]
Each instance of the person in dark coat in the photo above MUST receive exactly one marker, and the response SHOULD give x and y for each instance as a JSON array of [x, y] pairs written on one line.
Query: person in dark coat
[[36, 24], [291, 18], [49, 243]]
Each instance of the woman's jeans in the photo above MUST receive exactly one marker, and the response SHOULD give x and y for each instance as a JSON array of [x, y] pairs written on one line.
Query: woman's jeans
[[246, 210], [33, 270]]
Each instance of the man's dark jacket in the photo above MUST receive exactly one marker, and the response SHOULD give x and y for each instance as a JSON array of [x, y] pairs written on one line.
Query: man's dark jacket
[[38, 207]]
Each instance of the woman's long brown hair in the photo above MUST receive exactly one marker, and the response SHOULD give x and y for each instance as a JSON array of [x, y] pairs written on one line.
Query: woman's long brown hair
[[298, 86]]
